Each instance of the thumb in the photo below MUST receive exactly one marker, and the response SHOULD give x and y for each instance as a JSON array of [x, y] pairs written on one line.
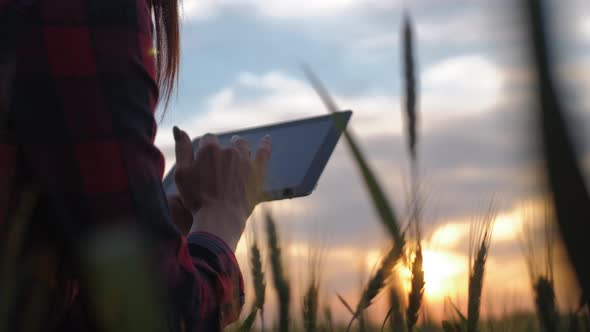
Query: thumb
[[183, 147]]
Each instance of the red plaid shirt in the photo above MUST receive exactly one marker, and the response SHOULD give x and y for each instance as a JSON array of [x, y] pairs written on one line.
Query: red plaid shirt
[[77, 101]]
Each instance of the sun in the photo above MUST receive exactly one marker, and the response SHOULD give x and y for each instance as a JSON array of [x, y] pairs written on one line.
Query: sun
[[442, 273]]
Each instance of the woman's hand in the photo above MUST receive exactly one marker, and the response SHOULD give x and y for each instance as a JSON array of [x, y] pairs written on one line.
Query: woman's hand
[[221, 186]]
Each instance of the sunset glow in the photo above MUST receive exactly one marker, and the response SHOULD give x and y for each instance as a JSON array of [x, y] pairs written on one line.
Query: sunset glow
[[442, 271], [449, 234]]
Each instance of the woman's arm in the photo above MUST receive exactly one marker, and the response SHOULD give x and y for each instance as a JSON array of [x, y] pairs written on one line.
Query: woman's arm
[[84, 101]]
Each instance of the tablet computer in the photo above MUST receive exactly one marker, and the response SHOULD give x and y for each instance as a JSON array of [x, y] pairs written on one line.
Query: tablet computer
[[300, 151]]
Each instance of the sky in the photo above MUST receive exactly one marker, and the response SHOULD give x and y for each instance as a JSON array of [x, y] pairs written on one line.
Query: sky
[[240, 67]]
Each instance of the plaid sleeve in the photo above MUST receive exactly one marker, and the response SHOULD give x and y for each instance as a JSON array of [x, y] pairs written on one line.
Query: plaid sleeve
[[212, 255], [83, 101]]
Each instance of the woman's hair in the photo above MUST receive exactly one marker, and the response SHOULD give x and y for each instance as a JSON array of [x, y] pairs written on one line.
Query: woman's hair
[[167, 35]]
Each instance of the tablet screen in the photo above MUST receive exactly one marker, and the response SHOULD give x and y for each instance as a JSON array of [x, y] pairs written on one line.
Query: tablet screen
[[294, 148]]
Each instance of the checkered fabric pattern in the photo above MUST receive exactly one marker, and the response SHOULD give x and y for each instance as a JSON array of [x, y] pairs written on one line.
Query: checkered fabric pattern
[[77, 100]]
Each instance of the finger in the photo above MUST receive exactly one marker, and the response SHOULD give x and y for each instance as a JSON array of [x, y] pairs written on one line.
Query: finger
[[209, 161], [208, 140], [183, 147], [231, 157], [263, 156], [242, 145], [209, 149]]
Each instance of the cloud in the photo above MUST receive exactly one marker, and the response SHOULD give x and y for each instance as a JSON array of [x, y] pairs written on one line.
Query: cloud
[[583, 27], [253, 100], [288, 9], [459, 25], [462, 83], [474, 23], [200, 10], [389, 40], [571, 20], [465, 83]]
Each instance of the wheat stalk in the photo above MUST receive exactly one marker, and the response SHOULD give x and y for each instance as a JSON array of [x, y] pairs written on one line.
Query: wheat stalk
[[417, 290], [574, 323], [480, 236], [259, 288], [544, 287], [475, 288], [545, 304], [378, 280], [541, 278], [310, 307], [563, 172], [249, 321], [417, 284], [258, 278], [311, 297], [280, 281], [328, 320], [380, 202], [410, 86], [363, 322], [395, 313]]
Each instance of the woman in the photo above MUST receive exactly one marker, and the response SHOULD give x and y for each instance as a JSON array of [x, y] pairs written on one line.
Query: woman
[[80, 177]]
